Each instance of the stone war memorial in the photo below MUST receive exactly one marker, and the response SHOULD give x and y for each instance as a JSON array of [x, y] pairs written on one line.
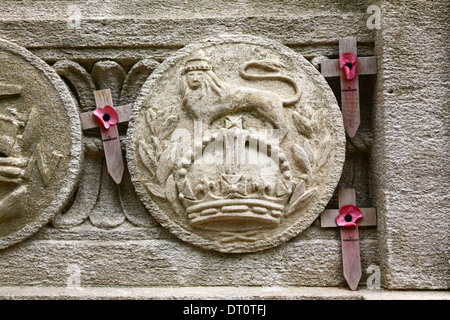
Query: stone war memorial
[[286, 150]]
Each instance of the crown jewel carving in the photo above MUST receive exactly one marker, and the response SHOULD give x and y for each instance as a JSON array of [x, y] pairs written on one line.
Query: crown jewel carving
[[235, 198], [197, 62]]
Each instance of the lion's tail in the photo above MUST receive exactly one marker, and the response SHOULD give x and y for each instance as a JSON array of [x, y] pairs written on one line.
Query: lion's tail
[[274, 74]]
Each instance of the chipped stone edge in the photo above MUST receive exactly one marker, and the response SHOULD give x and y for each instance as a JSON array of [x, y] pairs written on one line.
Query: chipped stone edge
[[222, 293]]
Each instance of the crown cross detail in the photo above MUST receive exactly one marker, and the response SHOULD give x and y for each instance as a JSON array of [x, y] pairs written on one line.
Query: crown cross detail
[[233, 185]]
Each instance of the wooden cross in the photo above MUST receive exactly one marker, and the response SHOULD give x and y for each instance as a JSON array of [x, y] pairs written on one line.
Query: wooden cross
[[349, 234], [349, 86], [110, 136]]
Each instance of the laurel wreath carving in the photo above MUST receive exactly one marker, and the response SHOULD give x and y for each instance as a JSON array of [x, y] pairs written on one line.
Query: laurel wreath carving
[[156, 153], [307, 159]]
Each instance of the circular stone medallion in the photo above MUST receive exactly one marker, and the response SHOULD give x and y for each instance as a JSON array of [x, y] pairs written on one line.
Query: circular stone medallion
[[236, 144], [40, 144]]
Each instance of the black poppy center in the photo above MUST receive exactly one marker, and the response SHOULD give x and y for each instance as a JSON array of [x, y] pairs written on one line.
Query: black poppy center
[[349, 65], [106, 117], [348, 218]]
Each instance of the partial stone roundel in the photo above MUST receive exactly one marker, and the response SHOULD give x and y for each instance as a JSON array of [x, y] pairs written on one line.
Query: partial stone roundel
[[40, 144], [236, 144]]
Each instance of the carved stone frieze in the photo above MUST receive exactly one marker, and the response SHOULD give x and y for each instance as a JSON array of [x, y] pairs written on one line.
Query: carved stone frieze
[[40, 144], [98, 199]]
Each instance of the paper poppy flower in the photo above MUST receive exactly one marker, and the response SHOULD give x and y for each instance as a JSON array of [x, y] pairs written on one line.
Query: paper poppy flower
[[348, 216], [107, 116], [348, 62]]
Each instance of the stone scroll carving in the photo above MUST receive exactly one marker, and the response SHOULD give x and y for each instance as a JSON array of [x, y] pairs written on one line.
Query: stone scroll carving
[[40, 144], [236, 144]]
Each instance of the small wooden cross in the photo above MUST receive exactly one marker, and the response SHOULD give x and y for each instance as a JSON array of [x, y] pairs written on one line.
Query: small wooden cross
[[349, 234], [349, 85], [110, 136]]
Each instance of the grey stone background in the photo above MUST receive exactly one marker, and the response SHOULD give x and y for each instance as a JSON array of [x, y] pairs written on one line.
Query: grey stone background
[[398, 161]]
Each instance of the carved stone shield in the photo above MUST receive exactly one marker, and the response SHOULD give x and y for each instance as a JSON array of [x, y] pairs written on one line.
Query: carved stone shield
[[236, 144], [40, 144]]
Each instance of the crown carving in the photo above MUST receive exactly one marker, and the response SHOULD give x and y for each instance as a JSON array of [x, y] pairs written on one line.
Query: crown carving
[[197, 62], [234, 197]]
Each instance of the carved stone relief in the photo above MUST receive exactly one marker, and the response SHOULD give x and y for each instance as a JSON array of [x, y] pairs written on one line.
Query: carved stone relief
[[236, 144], [40, 144], [98, 200]]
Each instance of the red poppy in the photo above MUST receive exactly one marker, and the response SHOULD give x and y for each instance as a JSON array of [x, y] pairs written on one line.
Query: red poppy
[[348, 216], [348, 62], [107, 116]]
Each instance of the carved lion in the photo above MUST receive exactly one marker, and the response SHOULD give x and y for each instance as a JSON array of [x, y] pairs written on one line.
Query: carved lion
[[208, 98]]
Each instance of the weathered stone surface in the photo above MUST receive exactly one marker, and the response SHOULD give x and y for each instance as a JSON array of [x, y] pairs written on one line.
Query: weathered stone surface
[[153, 23], [403, 108], [136, 257], [236, 144], [40, 144], [215, 293], [411, 144]]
